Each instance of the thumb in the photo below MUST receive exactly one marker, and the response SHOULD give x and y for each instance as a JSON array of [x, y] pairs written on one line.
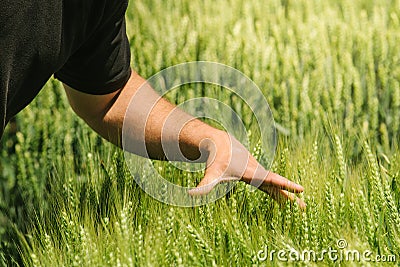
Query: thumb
[[209, 181]]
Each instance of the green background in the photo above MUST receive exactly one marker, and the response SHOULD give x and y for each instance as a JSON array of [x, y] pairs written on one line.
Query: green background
[[330, 71]]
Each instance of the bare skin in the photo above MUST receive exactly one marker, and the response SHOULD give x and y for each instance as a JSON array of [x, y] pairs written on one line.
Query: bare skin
[[159, 123]]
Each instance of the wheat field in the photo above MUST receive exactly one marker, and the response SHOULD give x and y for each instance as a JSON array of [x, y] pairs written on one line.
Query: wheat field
[[330, 71]]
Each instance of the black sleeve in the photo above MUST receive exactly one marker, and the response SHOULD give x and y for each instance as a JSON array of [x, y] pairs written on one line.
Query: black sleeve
[[101, 65]]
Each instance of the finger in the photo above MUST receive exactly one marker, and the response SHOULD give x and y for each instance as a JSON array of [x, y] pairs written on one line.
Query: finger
[[209, 181], [292, 197], [281, 196], [207, 184], [280, 182], [258, 176]]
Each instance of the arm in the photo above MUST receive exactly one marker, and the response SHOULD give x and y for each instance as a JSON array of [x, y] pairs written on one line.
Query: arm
[[159, 123]]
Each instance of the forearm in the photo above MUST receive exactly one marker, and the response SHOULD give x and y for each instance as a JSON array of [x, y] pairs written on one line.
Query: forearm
[[142, 122], [151, 120]]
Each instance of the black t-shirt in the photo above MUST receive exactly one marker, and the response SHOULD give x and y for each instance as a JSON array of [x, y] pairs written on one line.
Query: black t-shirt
[[82, 42]]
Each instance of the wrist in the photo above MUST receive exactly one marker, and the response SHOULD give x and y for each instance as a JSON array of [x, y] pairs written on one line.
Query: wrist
[[212, 139], [216, 143]]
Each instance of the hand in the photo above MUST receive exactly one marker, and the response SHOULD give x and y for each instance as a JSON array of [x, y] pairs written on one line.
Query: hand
[[229, 160]]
